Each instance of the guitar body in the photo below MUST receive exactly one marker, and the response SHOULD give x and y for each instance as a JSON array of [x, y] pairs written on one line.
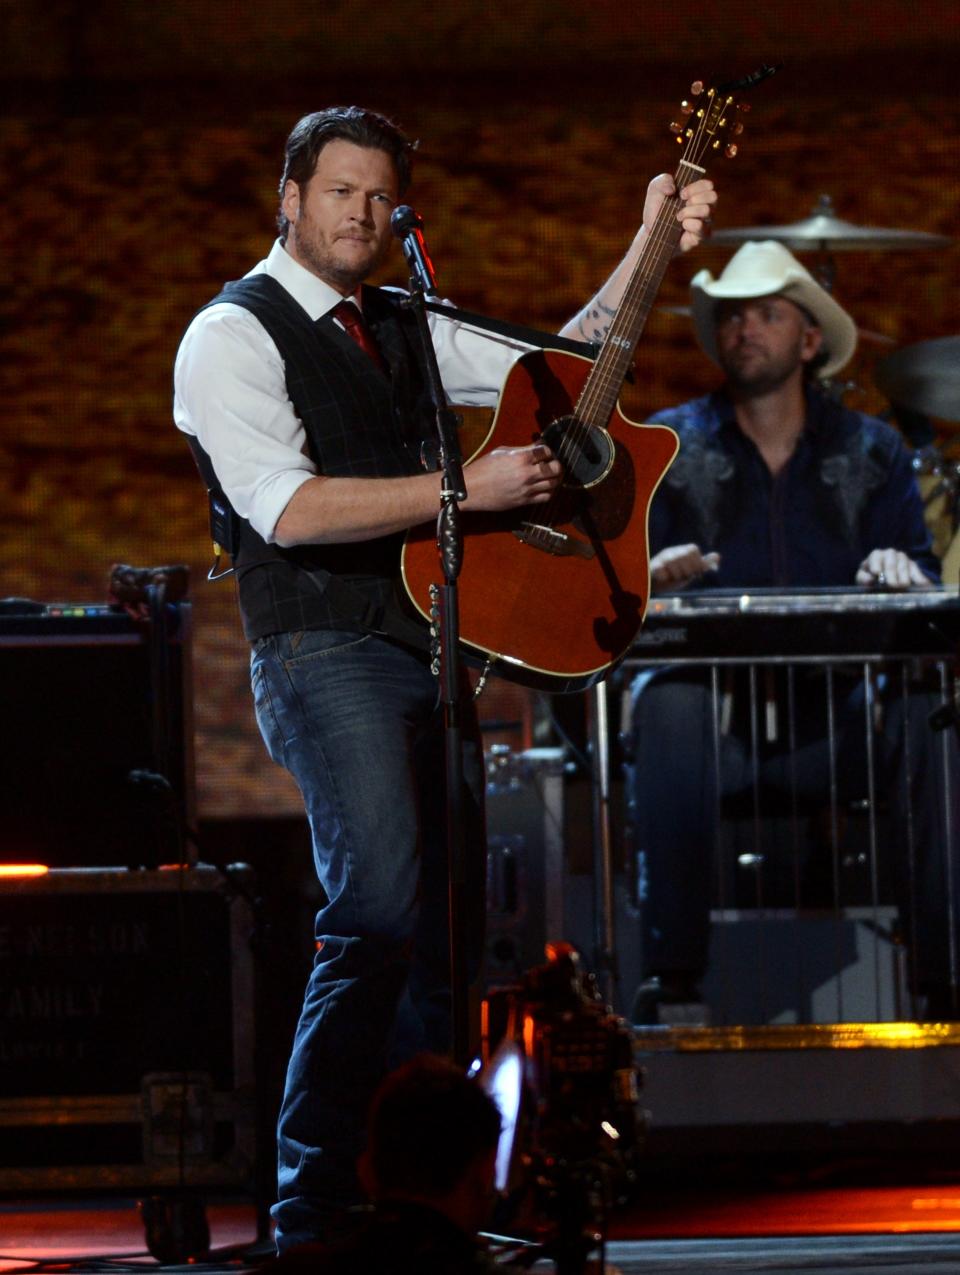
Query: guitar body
[[553, 594], [559, 607]]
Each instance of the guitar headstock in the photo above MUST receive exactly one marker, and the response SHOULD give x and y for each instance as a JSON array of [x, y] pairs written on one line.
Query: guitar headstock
[[709, 123]]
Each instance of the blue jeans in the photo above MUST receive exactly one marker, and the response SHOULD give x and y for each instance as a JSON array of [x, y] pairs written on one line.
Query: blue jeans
[[357, 722]]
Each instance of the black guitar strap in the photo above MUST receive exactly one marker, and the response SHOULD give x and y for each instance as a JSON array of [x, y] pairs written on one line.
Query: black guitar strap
[[515, 331]]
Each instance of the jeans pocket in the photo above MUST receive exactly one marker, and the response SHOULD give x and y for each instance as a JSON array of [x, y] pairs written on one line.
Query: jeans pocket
[[265, 712], [317, 644]]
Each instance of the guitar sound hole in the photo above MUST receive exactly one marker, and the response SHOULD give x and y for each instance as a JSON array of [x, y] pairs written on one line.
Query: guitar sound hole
[[586, 452]]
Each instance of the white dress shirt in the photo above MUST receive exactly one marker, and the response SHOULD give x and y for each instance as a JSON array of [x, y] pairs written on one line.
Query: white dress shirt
[[230, 390]]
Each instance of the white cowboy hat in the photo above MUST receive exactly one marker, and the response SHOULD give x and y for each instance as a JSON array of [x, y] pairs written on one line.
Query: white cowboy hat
[[763, 269]]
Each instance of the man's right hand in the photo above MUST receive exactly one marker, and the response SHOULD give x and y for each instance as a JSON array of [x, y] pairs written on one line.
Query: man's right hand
[[891, 569], [510, 477], [677, 565], [345, 510]]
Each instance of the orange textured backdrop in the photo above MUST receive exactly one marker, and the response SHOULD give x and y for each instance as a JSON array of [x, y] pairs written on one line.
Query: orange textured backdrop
[[139, 154]]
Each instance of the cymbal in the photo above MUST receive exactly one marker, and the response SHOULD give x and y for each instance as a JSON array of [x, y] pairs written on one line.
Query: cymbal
[[924, 377], [825, 231], [874, 338]]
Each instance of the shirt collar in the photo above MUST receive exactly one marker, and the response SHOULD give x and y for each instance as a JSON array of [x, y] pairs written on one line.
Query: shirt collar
[[723, 415], [821, 412], [309, 291]]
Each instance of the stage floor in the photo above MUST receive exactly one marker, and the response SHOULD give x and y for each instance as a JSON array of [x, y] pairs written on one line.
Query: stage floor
[[856, 1230]]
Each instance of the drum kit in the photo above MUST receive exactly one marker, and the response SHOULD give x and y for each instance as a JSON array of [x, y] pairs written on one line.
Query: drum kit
[[920, 381]]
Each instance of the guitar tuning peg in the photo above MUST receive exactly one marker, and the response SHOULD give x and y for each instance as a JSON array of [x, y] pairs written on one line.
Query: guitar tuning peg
[[743, 107], [686, 108], [730, 150], [696, 88], [676, 128], [736, 130]]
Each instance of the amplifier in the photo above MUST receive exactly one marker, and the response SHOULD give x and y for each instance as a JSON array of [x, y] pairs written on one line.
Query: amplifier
[[525, 859], [96, 735], [126, 1029]]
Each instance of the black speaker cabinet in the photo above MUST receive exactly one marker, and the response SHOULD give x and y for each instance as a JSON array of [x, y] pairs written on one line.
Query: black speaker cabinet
[[126, 1029], [96, 735]]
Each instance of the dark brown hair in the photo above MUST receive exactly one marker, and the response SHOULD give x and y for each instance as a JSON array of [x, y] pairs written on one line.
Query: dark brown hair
[[349, 124]]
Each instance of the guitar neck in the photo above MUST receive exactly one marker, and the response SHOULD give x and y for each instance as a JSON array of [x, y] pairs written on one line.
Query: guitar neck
[[600, 394]]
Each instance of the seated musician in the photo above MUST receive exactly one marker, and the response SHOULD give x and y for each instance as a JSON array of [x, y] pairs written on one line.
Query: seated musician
[[776, 484]]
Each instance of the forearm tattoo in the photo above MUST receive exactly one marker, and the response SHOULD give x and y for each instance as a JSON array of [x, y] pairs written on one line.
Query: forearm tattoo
[[592, 324]]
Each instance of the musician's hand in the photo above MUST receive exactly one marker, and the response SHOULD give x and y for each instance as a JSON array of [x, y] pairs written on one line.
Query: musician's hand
[[891, 569], [678, 565], [510, 477], [696, 209]]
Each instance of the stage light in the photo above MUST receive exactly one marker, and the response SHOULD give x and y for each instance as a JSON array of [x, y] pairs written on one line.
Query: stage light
[[503, 1081]]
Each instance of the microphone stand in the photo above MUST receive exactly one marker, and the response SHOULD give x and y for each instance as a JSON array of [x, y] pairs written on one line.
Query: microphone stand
[[406, 226]]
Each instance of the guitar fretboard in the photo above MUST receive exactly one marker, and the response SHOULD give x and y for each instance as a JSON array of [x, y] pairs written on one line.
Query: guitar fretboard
[[600, 394]]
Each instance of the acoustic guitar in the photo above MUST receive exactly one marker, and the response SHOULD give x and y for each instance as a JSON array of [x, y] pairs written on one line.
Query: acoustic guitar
[[552, 595]]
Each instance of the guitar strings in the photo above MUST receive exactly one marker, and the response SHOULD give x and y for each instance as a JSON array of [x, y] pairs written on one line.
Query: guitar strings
[[599, 394], [641, 296], [639, 293], [606, 376], [590, 408], [595, 398]]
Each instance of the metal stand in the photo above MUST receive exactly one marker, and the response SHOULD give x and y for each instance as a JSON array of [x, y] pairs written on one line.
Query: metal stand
[[604, 932], [447, 664]]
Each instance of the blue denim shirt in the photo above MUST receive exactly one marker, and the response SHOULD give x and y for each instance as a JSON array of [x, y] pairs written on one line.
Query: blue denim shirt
[[848, 488]]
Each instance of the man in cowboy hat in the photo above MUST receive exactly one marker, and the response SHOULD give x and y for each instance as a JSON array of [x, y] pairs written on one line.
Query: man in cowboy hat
[[774, 332], [775, 484]]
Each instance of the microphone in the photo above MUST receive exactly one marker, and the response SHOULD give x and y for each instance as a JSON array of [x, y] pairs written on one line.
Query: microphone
[[407, 225]]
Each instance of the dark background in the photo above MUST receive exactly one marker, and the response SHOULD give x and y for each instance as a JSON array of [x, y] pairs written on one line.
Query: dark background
[[140, 148]]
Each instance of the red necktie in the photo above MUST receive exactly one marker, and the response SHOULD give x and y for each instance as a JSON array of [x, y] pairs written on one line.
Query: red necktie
[[354, 325]]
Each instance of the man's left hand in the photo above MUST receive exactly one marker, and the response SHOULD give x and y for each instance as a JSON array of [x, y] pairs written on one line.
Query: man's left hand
[[891, 569], [696, 207]]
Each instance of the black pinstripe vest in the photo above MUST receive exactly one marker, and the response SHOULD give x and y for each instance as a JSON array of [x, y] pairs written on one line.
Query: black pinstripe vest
[[359, 423]]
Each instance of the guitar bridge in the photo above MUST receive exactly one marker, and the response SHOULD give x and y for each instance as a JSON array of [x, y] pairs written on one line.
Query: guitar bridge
[[559, 543]]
